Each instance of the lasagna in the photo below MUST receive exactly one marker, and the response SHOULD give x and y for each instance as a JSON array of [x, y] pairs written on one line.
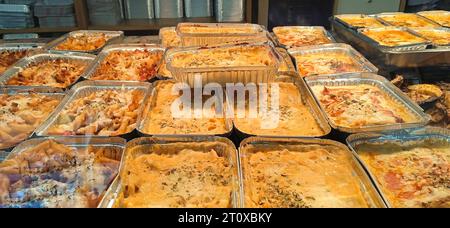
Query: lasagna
[[102, 113], [53, 175], [300, 176], [169, 37], [187, 28], [21, 114], [136, 65], [177, 175], [10, 57], [392, 37], [58, 73], [407, 20], [439, 16], [363, 105], [325, 63], [161, 121], [301, 36], [414, 174], [235, 56], [84, 42], [439, 37], [292, 118], [360, 21]]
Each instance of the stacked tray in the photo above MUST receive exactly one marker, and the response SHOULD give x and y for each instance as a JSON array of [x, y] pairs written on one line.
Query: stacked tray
[[16, 16], [423, 54], [55, 13]]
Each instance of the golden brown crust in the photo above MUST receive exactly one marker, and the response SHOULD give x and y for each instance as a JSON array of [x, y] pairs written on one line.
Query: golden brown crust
[[360, 21], [392, 37], [86, 42], [298, 36], [9, 58], [326, 63], [407, 20], [300, 176]]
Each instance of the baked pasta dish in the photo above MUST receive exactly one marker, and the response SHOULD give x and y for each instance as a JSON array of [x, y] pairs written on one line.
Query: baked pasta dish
[[362, 105], [235, 56], [410, 174], [58, 73], [53, 175], [84, 42], [169, 37], [293, 117], [439, 16], [440, 37], [21, 114], [300, 176], [102, 113], [392, 37], [360, 21], [136, 65], [161, 121], [178, 175], [407, 20], [301, 36], [188, 28], [10, 57], [325, 63]]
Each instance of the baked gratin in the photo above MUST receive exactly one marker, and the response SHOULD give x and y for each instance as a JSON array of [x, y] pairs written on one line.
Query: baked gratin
[[161, 121], [410, 173], [409, 20], [360, 21], [53, 175], [439, 16], [363, 105], [298, 36], [84, 42], [324, 63], [227, 56], [135, 65], [440, 37], [58, 73], [300, 176], [293, 118], [392, 37], [177, 175], [102, 113], [169, 37], [190, 28], [21, 114], [10, 57]]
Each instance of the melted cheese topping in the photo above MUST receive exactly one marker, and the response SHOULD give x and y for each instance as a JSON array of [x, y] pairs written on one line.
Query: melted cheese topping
[[177, 176], [225, 57], [9, 58], [137, 65], [392, 37], [300, 177], [160, 120], [361, 106], [52, 175], [361, 21], [103, 113], [87, 42], [407, 20], [414, 174], [326, 63], [219, 29], [59, 73], [298, 36], [169, 37], [438, 37], [20, 115], [440, 17], [294, 117]]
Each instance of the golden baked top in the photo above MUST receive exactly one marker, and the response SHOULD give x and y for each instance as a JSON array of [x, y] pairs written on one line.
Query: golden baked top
[[300, 176], [169, 37], [392, 37], [9, 58], [294, 117], [360, 21], [436, 36], [363, 105], [298, 36], [84, 42], [323, 63], [59, 73], [407, 20], [410, 174], [183, 175], [136, 65], [439, 16]]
